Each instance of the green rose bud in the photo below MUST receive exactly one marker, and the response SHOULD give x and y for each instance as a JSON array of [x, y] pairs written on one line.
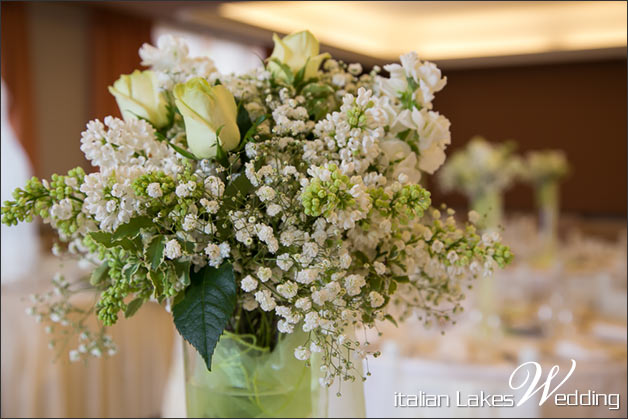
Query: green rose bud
[[297, 50], [205, 110], [138, 95]]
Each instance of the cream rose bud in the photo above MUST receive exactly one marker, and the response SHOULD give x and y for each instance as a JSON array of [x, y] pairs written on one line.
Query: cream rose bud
[[297, 50], [138, 96], [205, 110]]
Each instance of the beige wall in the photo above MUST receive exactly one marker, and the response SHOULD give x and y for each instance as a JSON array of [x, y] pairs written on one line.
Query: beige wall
[[58, 47]]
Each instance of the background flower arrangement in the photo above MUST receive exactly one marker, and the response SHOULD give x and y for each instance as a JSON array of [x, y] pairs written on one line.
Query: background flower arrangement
[[285, 198]]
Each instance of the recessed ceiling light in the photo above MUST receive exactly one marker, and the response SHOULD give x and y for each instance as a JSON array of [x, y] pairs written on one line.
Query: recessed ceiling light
[[443, 30]]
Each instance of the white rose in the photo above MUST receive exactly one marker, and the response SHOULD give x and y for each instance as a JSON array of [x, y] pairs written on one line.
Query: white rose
[[138, 95], [205, 110], [297, 50]]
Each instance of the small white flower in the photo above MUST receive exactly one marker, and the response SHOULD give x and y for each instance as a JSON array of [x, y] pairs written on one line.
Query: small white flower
[[437, 246], [249, 303], [380, 268], [264, 273], [211, 206], [215, 186], [355, 68], [307, 276], [474, 216], [311, 321], [273, 209], [248, 283], [74, 355], [182, 190], [288, 289], [303, 303], [354, 284], [266, 193], [213, 253], [63, 209], [190, 222], [284, 262], [376, 299], [173, 249], [154, 190], [489, 238], [225, 250], [284, 327], [302, 353], [265, 300], [315, 347]]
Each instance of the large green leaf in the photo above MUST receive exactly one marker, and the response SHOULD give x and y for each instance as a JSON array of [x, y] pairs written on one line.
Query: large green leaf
[[243, 119], [154, 253], [99, 274], [202, 315], [133, 306], [132, 228]]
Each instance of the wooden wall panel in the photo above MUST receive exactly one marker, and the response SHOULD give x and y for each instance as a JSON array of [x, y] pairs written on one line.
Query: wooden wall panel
[[579, 107]]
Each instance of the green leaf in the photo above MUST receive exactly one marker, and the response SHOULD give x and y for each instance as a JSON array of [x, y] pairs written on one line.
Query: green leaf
[[106, 239], [376, 283], [154, 253], [391, 319], [129, 270], [103, 238], [243, 119], [99, 274], [157, 279], [207, 306], [392, 287], [298, 78], [361, 256], [183, 152], [133, 306], [402, 278], [286, 69], [240, 185], [182, 270], [132, 228]]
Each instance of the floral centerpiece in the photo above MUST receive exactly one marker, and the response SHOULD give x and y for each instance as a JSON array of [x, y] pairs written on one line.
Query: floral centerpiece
[[544, 169], [272, 212], [482, 171]]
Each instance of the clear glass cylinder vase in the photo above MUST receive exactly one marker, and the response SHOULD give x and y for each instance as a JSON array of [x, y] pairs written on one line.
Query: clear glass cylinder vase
[[249, 381], [547, 199], [489, 204]]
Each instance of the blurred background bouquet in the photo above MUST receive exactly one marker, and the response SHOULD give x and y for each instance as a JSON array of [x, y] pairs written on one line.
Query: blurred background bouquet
[[562, 298]]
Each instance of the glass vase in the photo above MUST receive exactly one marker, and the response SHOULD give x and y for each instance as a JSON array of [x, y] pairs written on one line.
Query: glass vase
[[547, 200], [249, 381], [489, 205]]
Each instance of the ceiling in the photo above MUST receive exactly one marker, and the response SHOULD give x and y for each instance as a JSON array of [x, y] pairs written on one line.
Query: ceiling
[[452, 33]]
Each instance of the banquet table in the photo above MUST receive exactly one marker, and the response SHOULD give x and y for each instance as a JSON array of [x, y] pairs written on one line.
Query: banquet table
[[35, 383]]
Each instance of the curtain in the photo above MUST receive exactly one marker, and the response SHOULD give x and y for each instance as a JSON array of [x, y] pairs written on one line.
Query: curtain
[[115, 39], [16, 73]]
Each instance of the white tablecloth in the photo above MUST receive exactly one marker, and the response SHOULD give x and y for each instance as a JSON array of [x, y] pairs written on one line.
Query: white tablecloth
[[129, 384]]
